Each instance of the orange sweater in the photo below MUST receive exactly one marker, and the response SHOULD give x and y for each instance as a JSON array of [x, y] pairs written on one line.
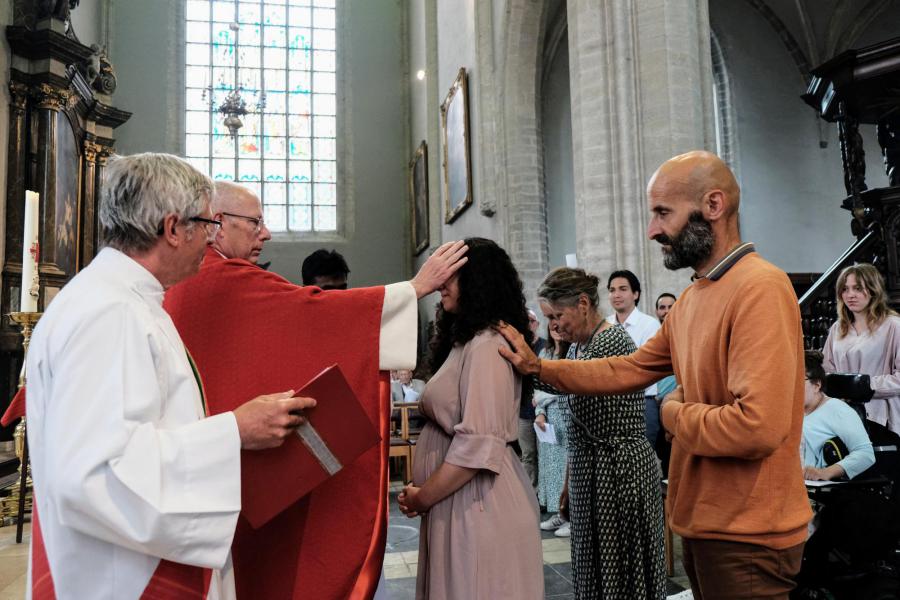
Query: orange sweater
[[736, 347]]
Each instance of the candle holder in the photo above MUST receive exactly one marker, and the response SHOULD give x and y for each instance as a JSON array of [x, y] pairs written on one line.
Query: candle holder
[[21, 497]]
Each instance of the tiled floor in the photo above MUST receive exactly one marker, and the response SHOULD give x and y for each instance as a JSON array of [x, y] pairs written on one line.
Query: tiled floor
[[400, 561], [13, 562]]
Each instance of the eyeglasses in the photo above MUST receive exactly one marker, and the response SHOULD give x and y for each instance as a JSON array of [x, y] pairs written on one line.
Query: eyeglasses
[[211, 225], [258, 221], [207, 222]]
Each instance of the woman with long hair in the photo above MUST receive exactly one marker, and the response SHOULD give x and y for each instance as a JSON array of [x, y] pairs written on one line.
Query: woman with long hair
[[553, 410], [477, 538], [866, 339], [613, 487]]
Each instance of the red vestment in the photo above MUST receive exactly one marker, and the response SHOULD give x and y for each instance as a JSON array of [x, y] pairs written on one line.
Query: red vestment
[[170, 581], [250, 333]]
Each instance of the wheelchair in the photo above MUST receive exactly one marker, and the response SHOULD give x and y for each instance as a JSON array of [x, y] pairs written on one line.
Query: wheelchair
[[854, 554]]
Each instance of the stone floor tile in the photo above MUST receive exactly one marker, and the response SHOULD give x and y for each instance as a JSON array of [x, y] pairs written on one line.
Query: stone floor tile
[[396, 571]]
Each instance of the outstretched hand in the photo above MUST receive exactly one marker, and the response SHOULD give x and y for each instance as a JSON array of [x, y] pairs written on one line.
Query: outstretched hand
[[521, 356], [439, 267]]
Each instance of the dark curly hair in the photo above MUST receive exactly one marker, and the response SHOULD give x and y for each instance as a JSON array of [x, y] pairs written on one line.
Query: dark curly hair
[[490, 291]]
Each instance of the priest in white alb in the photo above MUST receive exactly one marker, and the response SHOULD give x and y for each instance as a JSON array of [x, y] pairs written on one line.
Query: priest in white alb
[[137, 491]]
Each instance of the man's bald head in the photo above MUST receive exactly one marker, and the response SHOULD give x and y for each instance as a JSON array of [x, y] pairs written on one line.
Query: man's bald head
[[693, 175], [243, 232], [693, 200], [232, 197]]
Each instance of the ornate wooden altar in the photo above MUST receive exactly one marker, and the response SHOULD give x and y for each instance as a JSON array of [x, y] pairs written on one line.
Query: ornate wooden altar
[[61, 125], [860, 86]]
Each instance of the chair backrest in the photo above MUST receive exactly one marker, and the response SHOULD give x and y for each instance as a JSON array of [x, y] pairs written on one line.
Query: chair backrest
[[886, 445], [404, 409], [404, 422]]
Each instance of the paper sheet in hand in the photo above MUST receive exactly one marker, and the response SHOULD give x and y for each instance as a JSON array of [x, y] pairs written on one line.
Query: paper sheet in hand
[[338, 430], [547, 436], [810, 483]]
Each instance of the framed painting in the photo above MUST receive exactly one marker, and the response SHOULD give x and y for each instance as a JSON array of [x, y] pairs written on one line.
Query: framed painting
[[457, 167], [418, 191]]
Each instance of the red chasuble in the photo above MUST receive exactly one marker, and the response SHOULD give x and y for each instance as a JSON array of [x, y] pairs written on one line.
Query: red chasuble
[[252, 332]]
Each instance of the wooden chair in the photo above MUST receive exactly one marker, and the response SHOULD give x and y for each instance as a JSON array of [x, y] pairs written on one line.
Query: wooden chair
[[402, 446]]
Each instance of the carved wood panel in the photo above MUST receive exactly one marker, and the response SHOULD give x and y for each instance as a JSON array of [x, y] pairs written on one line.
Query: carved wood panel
[[60, 133]]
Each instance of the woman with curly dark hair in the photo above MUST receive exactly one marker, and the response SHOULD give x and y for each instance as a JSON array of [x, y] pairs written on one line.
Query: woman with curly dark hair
[[478, 538]]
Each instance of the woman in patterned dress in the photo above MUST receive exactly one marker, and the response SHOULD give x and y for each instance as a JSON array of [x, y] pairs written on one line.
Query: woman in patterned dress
[[613, 484], [478, 538], [552, 409]]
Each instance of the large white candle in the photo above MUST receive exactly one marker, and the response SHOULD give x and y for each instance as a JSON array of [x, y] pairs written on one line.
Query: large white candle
[[30, 254]]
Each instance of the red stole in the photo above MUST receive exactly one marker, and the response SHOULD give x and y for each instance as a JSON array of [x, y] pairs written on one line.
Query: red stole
[[170, 581], [252, 332], [15, 409]]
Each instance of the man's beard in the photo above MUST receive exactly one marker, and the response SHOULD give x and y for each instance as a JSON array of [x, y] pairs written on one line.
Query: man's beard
[[690, 246]]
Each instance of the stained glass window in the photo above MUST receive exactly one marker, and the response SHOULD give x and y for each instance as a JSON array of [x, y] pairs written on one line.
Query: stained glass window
[[282, 51]]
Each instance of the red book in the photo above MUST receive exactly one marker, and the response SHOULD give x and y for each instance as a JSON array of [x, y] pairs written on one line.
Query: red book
[[338, 429]]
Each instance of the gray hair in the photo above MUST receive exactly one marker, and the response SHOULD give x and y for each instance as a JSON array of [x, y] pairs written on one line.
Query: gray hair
[[565, 285], [225, 193], [140, 190]]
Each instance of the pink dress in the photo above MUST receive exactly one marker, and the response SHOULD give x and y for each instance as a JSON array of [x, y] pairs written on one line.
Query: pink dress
[[482, 541]]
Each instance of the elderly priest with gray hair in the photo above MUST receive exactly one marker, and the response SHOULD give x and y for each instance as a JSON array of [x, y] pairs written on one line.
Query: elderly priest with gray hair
[[137, 492]]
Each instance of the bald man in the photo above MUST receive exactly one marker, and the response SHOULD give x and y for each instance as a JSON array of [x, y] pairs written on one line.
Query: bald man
[[244, 325], [733, 340], [243, 231]]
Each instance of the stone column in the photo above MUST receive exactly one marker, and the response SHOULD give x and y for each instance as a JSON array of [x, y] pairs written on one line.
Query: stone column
[[641, 92], [518, 143]]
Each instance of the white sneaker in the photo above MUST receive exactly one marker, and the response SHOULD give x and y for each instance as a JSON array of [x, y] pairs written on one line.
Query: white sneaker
[[564, 531], [554, 522]]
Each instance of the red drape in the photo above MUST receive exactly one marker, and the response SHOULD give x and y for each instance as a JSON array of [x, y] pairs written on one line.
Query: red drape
[[15, 409], [252, 332]]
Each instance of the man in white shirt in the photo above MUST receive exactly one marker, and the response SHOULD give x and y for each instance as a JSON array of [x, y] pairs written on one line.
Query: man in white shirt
[[624, 294]]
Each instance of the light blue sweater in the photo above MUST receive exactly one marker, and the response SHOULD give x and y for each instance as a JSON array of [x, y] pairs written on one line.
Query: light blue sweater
[[835, 418]]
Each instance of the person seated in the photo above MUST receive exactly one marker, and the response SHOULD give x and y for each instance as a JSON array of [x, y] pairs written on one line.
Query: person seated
[[325, 269], [406, 388], [826, 418]]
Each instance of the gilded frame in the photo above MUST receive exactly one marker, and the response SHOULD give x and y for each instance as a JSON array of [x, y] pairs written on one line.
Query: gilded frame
[[418, 194], [456, 163]]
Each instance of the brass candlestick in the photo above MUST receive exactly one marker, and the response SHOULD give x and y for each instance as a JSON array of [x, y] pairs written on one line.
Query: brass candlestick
[[20, 497]]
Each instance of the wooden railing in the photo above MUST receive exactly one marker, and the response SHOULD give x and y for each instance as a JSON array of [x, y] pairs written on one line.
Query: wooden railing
[[818, 304]]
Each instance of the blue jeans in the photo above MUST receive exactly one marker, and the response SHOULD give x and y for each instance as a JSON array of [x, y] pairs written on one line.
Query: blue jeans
[[651, 416]]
